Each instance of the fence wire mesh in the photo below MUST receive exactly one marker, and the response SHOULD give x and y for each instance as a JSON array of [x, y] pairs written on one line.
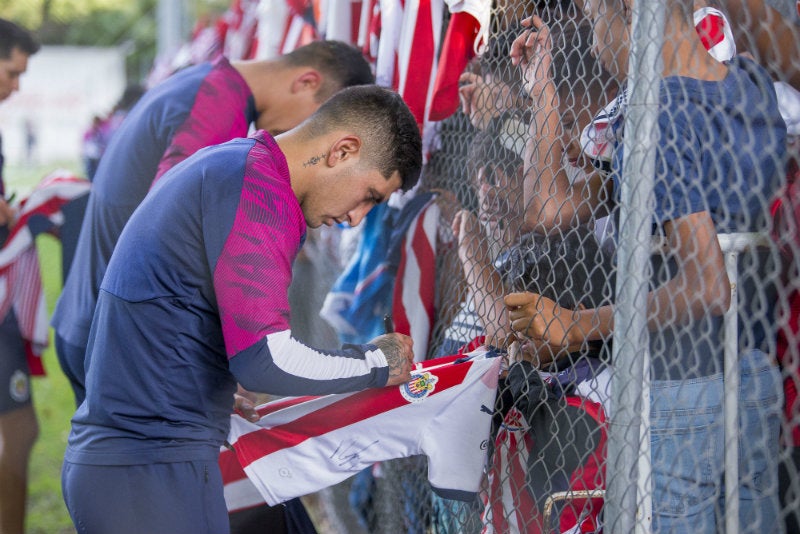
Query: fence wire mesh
[[617, 214]]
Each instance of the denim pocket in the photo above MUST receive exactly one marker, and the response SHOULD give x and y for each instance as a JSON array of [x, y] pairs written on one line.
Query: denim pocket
[[686, 446], [760, 401]]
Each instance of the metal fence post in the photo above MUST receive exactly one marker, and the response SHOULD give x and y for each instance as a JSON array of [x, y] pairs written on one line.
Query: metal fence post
[[627, 498], [732, 245]]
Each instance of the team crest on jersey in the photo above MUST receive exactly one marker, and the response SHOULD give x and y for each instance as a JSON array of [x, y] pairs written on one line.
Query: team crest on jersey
[[19, 387], [420, 386]]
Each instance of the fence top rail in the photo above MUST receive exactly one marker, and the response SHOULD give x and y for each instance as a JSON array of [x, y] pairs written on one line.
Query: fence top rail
[[738, 242], [729, 243]]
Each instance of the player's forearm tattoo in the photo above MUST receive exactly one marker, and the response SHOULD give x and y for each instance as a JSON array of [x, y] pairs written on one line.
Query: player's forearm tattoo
[[392, 348], [313, 160]]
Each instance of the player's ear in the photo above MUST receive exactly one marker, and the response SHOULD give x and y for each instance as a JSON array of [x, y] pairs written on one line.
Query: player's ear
[[308, 80], [345, 148]]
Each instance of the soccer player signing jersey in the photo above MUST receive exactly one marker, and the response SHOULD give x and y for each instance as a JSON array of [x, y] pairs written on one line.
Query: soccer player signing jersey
[[186, 291]]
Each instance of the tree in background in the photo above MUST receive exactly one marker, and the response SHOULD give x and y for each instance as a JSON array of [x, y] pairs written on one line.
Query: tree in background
[[103, 23]]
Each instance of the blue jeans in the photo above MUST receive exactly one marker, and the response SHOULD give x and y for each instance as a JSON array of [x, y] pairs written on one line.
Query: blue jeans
[[687, 450]]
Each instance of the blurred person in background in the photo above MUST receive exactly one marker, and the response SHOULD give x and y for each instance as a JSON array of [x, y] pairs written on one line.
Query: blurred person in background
[[18, 426]]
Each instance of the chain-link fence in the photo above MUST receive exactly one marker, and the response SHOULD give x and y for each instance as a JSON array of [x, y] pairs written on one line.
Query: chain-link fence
[[607, 196]]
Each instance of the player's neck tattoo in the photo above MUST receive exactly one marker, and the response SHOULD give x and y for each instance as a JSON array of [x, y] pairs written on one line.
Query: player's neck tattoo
[[313, 160]]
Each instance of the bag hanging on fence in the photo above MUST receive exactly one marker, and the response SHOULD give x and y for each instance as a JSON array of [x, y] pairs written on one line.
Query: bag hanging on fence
[[548, 468]]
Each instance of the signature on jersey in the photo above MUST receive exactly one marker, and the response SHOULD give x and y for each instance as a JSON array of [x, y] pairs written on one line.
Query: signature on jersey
[[348, 453]]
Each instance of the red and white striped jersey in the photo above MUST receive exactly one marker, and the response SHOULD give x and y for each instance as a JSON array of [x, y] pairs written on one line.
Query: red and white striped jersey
[[20, 278], [414, 289], [304, 444]]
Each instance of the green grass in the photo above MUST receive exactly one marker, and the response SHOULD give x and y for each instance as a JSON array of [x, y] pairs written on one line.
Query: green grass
[[54, 407], [52, 395]]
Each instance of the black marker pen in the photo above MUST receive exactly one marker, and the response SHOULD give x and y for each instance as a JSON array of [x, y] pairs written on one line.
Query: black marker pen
[[388, 324]]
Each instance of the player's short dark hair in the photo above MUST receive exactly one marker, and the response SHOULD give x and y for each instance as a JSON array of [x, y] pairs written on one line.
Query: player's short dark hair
[[14, 36], [391, 137], [342, 65]]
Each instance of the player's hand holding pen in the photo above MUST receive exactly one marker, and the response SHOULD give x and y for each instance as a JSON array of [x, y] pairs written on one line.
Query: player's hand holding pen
[[244, 403], [399, 352]]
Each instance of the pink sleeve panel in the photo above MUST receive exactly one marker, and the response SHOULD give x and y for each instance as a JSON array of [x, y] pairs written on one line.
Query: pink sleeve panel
[[219, 114], [254, 270]]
